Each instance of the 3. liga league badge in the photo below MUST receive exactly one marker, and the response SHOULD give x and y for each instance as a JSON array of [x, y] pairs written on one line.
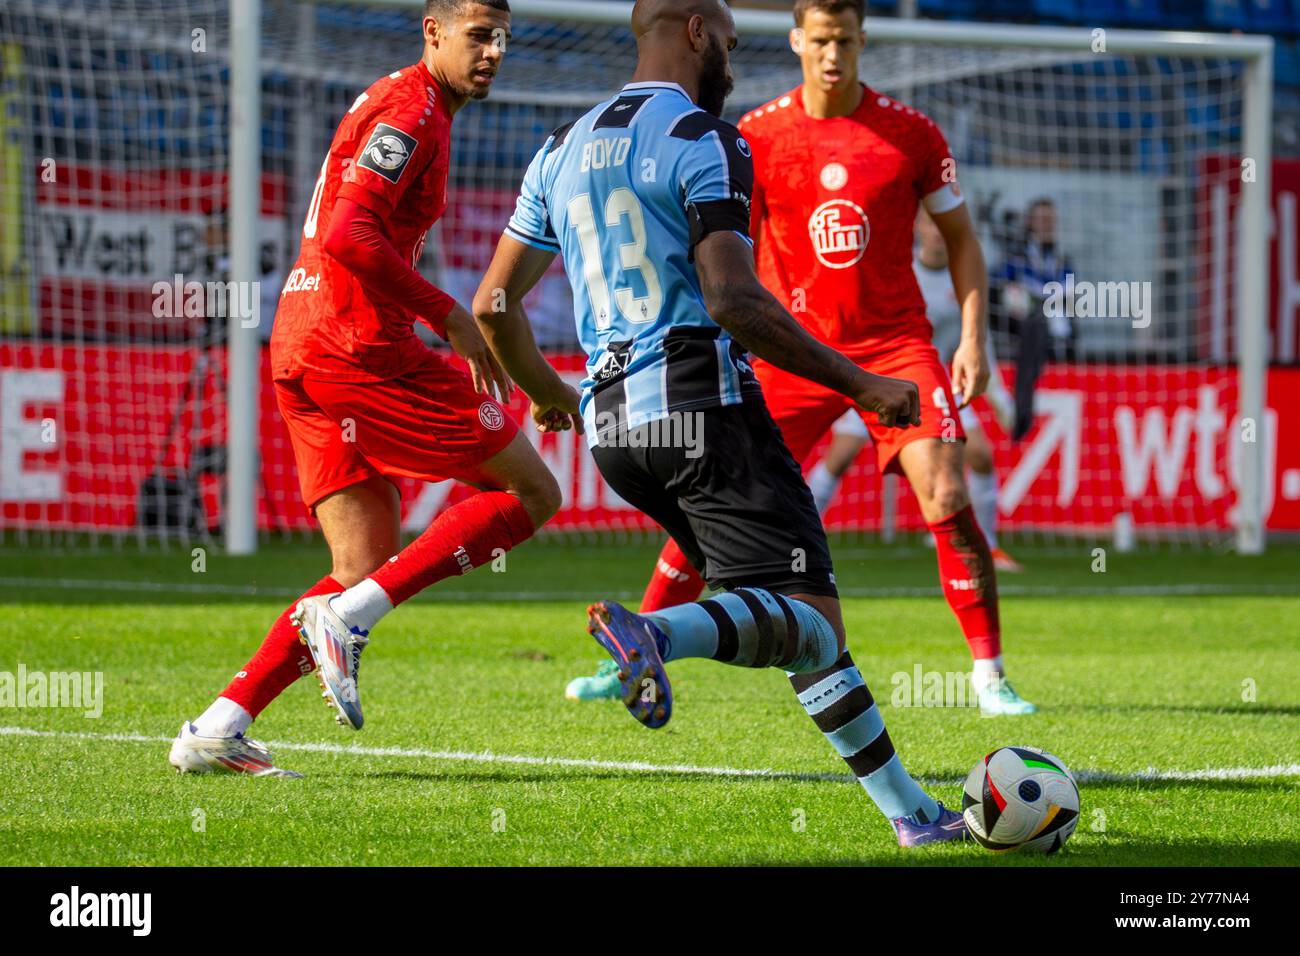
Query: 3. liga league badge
[[388, 152]]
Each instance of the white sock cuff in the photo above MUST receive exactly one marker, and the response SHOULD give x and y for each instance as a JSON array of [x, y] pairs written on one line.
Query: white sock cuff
[[363, 605], [224, 718], [985, 669]]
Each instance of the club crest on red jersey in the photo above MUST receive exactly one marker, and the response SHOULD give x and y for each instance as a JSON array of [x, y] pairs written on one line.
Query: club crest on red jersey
[[840, 232], [388, 152], [491, 417], [834, 176]]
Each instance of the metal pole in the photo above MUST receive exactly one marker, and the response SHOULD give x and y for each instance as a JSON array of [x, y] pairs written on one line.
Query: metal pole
[[1252, 302], [243, 344]]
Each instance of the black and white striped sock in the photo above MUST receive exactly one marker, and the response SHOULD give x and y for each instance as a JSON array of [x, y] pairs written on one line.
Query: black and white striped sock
[[748, 627], [840, 704]]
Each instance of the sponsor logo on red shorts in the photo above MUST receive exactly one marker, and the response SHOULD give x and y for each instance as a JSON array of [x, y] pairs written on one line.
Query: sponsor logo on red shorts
[[491, 416]]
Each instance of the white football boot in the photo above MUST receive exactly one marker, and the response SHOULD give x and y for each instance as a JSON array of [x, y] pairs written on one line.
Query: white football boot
[[336, 650], [191, 753], [999, 699]]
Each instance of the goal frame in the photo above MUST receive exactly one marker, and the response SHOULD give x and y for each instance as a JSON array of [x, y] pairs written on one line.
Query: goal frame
[[1252, 251]]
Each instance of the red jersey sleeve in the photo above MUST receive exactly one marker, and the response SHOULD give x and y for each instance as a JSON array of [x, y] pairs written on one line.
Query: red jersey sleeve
[[356, 239], [398, 147], [936, 172]]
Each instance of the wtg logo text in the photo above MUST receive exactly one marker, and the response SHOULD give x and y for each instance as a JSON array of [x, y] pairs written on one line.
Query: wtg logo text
[[74, 909]]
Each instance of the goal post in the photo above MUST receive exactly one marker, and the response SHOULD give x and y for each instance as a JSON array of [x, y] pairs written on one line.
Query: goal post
[[243, 343], [1253, 276], [154, 140]]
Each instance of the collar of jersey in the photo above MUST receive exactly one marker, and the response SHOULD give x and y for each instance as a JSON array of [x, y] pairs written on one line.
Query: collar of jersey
[[869, 97], [439, 96], [657, 85]]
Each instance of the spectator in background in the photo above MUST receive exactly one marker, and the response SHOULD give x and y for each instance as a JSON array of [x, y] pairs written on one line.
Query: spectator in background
[[216, 268], [1019, 284], [216, 265], [270, 286], [1029, 266]]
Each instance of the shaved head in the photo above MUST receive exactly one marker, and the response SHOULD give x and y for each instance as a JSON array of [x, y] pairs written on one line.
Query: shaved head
[[650, 15], [688, 42]]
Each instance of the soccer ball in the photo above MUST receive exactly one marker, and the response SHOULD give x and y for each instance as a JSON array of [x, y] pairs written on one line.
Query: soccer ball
[[1021, 798]]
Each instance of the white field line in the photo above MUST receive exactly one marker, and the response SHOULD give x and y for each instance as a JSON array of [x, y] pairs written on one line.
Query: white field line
[[635, 766], [26, 585]]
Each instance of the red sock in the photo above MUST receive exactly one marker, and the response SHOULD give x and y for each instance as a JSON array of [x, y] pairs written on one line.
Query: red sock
[[280, 661], [461, 539], [674, 581], [968, 580]]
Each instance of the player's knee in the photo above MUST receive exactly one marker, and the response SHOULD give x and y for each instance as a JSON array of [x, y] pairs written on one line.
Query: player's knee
[[948, 495], [821, 645], [542, 497]]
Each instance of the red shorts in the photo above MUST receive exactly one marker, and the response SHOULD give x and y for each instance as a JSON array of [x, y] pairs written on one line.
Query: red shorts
[[428, 424], [805, 411]]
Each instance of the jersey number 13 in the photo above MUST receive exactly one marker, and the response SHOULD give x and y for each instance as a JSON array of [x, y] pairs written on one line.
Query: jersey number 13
[[639, 309]]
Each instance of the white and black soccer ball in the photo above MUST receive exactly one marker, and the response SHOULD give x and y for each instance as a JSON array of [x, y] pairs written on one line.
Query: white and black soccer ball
[[1021, 798]]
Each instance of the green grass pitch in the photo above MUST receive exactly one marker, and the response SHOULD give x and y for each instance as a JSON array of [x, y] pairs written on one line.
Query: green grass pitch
[[1171, 682]]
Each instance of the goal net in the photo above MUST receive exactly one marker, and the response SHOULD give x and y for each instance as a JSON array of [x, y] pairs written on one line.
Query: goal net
[[1111, 186]]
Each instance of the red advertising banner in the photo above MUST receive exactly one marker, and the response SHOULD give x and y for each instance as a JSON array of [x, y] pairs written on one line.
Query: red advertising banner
[[82, 428], [105, 237], [1159, 444]]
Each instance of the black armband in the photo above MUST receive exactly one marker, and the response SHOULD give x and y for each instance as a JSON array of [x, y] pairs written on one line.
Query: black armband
[[722, 215]]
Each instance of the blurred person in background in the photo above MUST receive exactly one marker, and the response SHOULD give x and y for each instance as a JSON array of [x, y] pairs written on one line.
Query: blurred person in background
[[1020, 284]]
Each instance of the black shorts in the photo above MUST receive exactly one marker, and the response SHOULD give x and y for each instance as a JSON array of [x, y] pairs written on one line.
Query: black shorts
[[733, 498]]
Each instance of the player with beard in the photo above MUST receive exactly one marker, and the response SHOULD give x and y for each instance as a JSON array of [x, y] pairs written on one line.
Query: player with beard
[[647, 198], [841, 170], [367, 404]]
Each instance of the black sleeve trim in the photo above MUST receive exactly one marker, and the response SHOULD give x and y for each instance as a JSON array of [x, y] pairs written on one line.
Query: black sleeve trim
[[739, 170], [532, 240], [559, 135]]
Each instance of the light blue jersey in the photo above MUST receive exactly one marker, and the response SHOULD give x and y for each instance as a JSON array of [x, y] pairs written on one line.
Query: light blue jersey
[[624, 193]]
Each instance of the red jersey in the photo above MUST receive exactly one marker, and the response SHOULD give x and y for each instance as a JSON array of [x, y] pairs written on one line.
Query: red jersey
[[833, 211], [391, 154]]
